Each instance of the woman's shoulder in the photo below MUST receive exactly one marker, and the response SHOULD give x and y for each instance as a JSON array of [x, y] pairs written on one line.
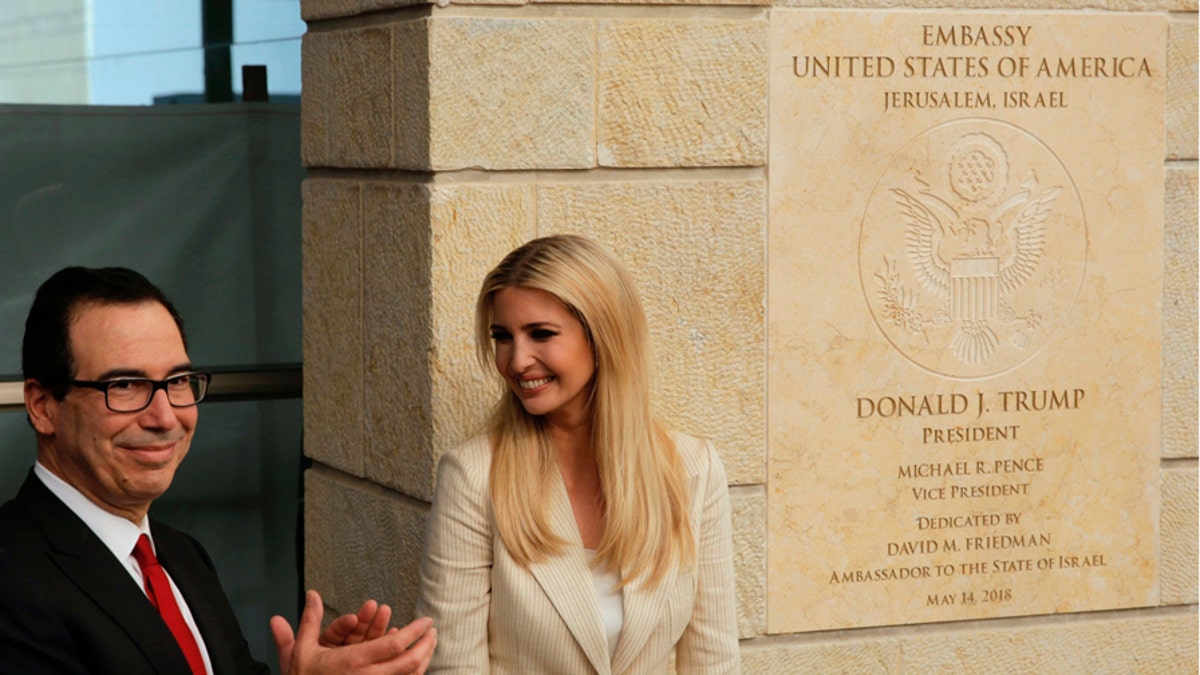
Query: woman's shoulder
[[472, 459], [698, 454]]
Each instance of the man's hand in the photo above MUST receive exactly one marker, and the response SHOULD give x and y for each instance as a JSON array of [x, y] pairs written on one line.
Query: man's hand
[[370, 622], [354, 643]]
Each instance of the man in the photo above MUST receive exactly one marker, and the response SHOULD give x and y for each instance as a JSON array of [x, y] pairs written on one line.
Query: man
[[112, 397]]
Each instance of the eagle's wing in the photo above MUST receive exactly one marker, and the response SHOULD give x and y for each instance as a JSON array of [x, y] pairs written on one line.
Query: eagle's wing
[[922, 236], [1028, 235]]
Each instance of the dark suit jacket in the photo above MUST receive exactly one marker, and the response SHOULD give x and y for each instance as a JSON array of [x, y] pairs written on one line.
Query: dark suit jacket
[[68, 606]]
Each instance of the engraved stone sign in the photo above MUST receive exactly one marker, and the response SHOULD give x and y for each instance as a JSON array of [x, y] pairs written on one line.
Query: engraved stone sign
[[964, 314]]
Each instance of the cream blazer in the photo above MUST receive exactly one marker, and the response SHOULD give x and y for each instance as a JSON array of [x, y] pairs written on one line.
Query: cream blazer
[[496, 616]]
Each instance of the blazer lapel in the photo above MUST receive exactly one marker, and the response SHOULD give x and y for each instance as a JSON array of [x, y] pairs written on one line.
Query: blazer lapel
[[645, 609], [88, 564], [567, 582]]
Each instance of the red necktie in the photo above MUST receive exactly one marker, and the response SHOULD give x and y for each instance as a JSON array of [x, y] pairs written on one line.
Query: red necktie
[[158, 587]]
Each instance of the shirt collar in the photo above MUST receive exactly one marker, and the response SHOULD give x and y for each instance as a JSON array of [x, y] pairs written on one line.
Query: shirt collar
[[118, 534]]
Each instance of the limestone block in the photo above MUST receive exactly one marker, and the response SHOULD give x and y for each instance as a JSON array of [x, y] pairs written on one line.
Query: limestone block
[[1179, 314], [1177, 569], [695, 249], [313, 10], [314, 118], [1113, 644], [1181, 88], [511, 93], [682, 93], [397, 336], [1118, 5], [748, 508], [856, 657], [473, 227], [347, 98], [765, 3], [410, 115], [333, 337], [360, 542], [427, 250]]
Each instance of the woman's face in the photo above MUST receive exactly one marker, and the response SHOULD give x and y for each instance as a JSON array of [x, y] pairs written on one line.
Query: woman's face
[[542, 351]]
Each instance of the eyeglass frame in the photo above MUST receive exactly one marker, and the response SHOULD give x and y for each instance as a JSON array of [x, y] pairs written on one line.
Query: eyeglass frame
[[103, 385]]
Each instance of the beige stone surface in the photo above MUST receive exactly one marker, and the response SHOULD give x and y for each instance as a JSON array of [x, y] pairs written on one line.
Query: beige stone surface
[[1182, 79], [397, 336], [512, 93], [726, 3], [426, 251], [1000, 269], [695, 250], [348, 100], [1179, 536], [1147, 644], [1009, 5], [333, 325], [315, 10], [846, 657], [748, 510], [360, 542], [682, 92], [473, 228], [1180, 363], [1163, 644], [314, 129], [410, 113]]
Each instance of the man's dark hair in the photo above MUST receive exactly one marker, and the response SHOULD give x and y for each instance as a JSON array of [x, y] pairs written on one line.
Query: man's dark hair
[[46, 349]]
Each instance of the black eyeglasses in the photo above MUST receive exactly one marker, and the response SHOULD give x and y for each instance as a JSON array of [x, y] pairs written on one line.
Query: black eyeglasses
[[133, 394]]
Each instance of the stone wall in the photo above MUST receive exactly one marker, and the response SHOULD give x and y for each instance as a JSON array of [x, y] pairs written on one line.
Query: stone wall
[[438, 137]]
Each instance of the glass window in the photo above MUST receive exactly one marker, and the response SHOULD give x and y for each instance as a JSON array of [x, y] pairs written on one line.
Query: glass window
[[131, 52]]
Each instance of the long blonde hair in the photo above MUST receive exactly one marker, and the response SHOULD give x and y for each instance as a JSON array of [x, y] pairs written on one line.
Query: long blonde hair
[[642, 477]]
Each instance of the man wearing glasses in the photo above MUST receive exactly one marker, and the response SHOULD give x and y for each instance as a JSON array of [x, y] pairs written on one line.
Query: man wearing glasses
[[88, 582]]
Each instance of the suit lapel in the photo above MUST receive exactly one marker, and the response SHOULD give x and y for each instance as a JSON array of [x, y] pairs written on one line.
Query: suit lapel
[[646, 609], [567, 582], [87, 563]]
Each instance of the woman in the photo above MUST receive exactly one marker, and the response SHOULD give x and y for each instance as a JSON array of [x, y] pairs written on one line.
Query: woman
[[577, 535]]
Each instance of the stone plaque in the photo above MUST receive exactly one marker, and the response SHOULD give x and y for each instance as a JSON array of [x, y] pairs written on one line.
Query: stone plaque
[[964, 313]]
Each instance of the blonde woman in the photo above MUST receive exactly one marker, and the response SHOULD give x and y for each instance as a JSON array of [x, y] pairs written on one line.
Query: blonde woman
[[577, 535]]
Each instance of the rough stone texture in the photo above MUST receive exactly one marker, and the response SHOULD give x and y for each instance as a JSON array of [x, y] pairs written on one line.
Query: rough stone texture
[[1129, 644], [410, 115], [397, 336], [857, 657], [1177, 569], [1117, 5], [748, 507], [473, 227], [346, 117], [695, 249], [682, 93], [512, 93], [427, 249], [363, 542], [314, 129], [333, 335], [1181, 88], [1144, 644], [1179, 314], [312, 10], [692, 3]]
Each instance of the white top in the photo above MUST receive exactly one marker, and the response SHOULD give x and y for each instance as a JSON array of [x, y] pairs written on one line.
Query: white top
[[610, 599], [119, 535]]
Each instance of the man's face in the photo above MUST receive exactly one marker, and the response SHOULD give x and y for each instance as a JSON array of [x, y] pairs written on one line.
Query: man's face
[[121, 461]]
